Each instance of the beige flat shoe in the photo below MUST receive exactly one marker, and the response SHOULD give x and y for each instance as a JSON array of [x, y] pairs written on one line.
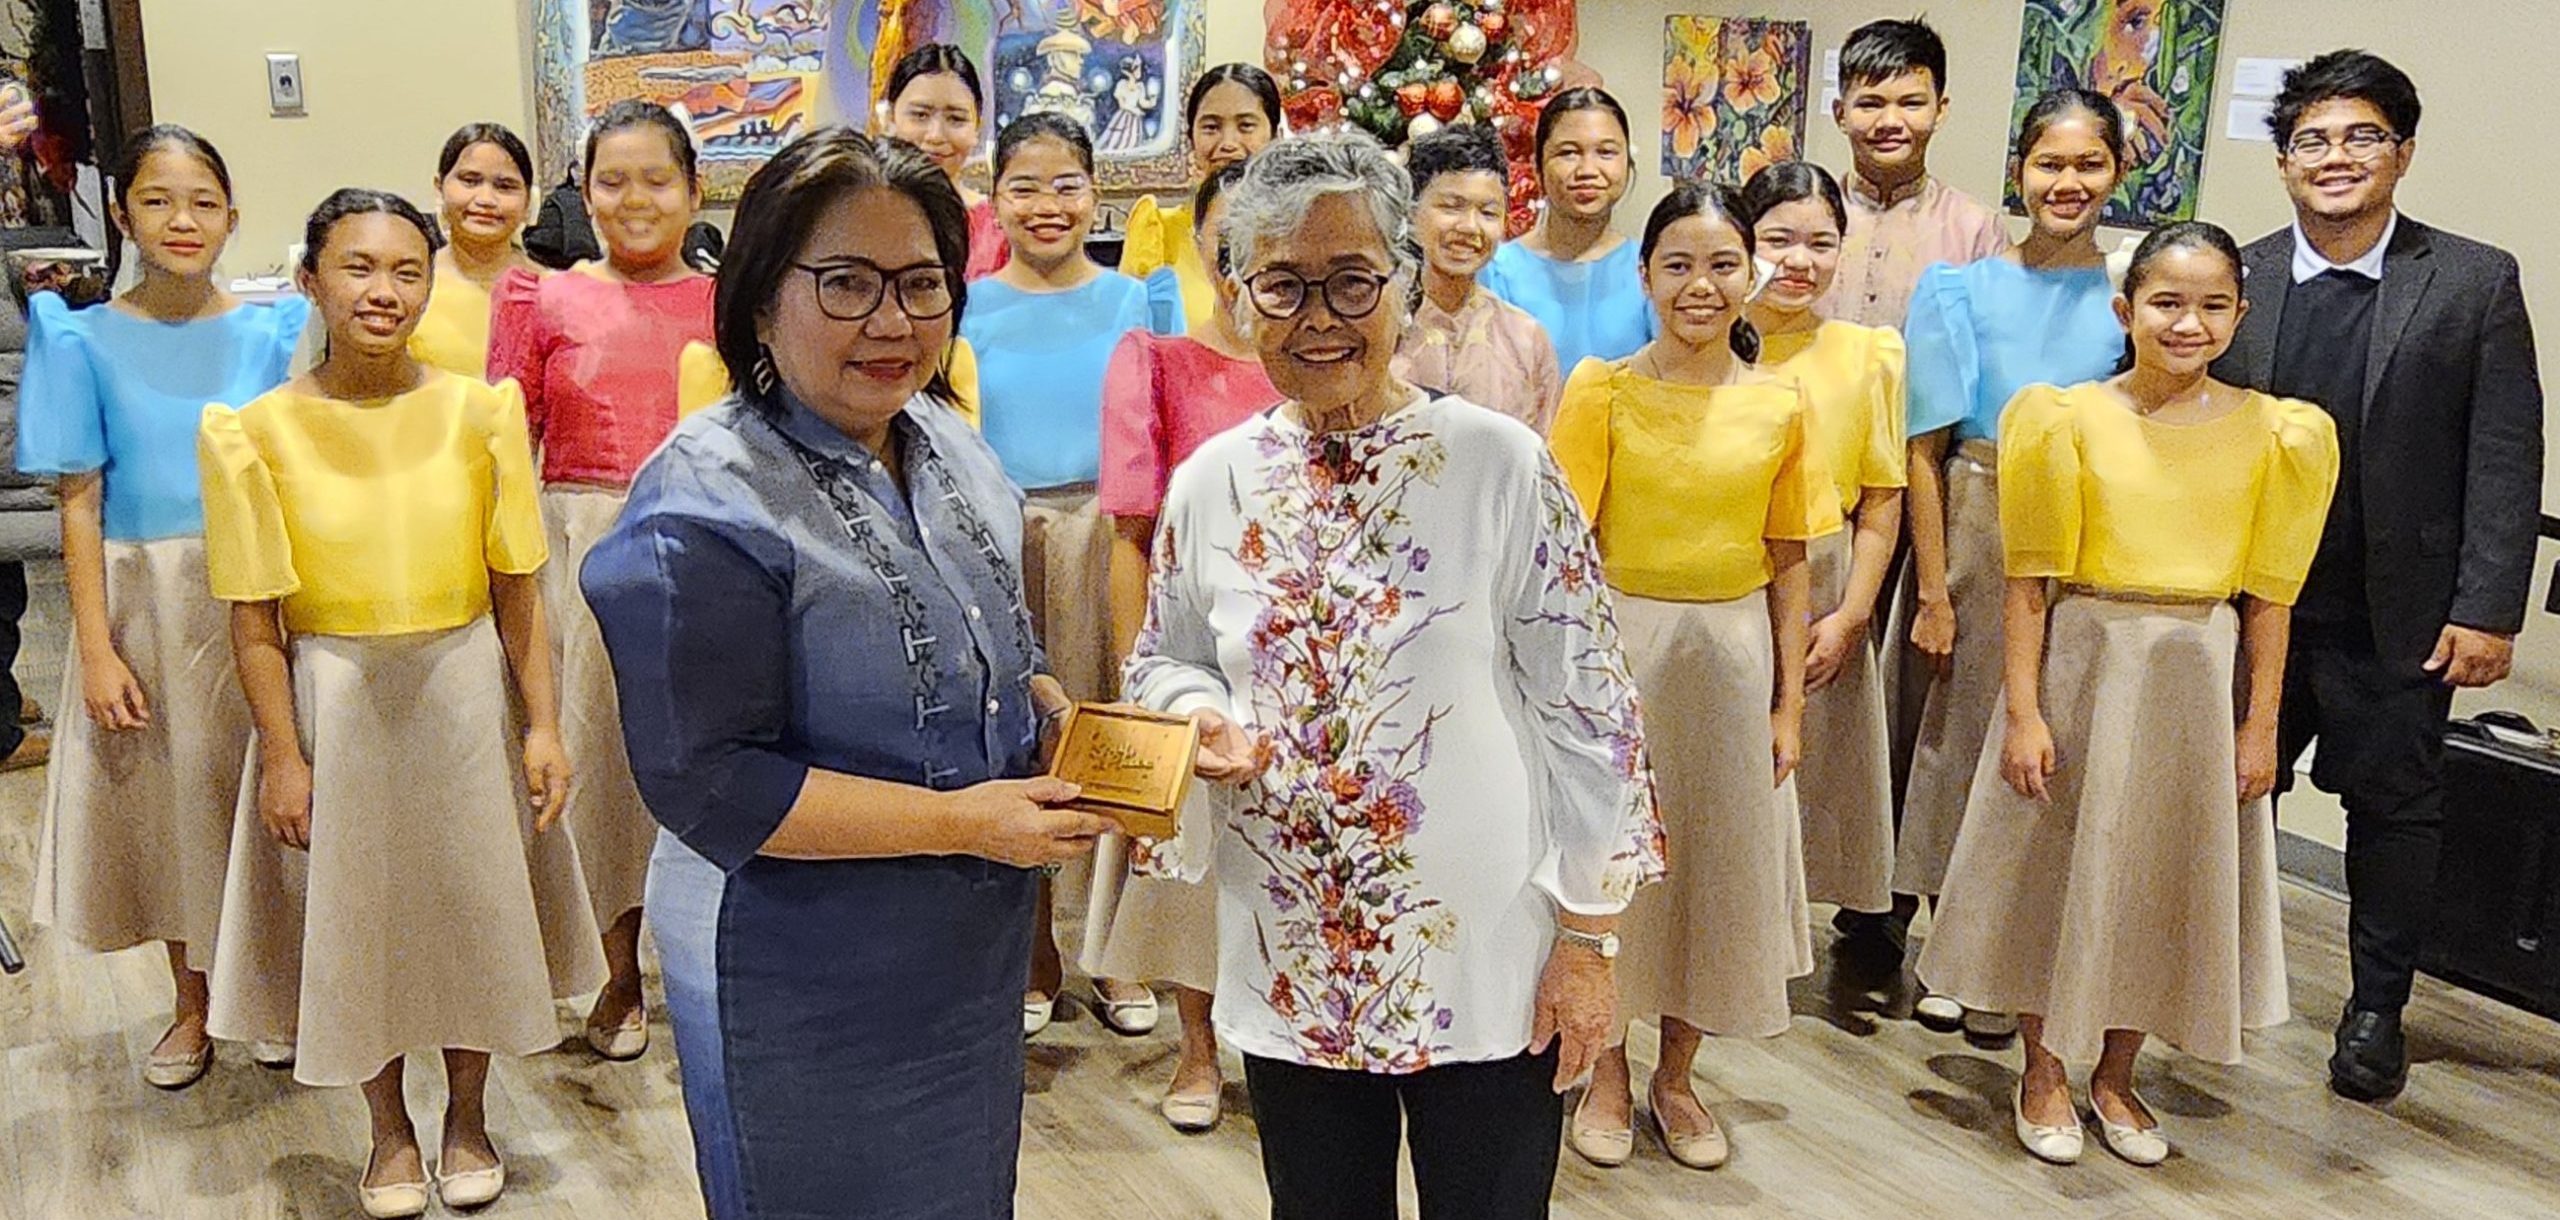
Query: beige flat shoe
[[472, 1188], [175, 1072], [2052, 1145], [1192, 1114], [2143, 1146], [394, 1202], [1606, 1147], [625, 1042], [1708, 1149], [270, 1053], [1127, 1018]]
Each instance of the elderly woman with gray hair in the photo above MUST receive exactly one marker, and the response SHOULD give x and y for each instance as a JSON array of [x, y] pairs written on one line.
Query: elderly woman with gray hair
[[1387, 614]]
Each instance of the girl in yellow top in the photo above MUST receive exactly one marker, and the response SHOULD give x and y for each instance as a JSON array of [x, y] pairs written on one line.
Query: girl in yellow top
[[2123, 879], [1853, 376], [390, 886], [1704, 481], [1234, 110], [484, 179]]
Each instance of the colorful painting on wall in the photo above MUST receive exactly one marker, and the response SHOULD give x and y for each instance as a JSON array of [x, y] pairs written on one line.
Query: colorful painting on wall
[[1733, 95], [2156, 59], [754, 74]]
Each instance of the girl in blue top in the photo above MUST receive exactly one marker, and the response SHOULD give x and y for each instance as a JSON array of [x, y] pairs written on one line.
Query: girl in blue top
[[138, 807], [1575, 273], [1977, 334], [1044, 328]]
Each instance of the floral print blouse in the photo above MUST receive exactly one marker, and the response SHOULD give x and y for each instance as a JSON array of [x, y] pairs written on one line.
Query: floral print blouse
[[1413, 615]]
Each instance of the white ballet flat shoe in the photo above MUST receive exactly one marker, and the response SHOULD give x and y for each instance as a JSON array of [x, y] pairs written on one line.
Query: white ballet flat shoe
[[1192, 1115], [394, 1202], [2134, 1145], [1605, 1147], [175, 1072], [472, 1188], [269, 1053], [625, 1042], [1127, 1018], [1708, 1149], [1037, 1011], [2052, 1145], [1938, 1013]]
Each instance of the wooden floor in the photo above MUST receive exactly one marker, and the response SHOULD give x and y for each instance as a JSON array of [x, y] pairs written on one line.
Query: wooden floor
[[1857, 1112]]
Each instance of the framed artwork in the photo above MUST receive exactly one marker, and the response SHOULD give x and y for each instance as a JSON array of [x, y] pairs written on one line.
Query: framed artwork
[[2156, 59], [755, 74], [1733, 95]]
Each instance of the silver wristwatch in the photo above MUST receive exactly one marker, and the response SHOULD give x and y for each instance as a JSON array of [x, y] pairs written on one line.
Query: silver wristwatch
[[1603, 943]]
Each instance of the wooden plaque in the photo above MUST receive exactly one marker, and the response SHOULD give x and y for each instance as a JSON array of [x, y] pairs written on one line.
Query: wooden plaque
[[1133, 765]]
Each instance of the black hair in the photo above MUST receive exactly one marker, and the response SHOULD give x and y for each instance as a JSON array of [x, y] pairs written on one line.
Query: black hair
[[1202, 200], [352, 201], [2185, 235], [1790, 182], [167, 137], [1467, 148], [1881, 50], [936, 59], [631, 113], [2055, 105], [2356, 75], [1264, 89], [784, 202], [1045, 123], [484, 133], [1580, 97], [1710, 201]]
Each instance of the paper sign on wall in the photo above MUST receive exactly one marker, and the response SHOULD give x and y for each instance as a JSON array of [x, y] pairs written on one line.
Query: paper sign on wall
[[2254, 85]]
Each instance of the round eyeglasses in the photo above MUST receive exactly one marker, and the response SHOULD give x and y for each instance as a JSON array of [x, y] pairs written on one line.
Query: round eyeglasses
[[1351, 293]]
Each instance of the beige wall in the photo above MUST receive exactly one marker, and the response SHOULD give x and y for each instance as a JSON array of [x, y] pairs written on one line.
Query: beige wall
[[387, 81]]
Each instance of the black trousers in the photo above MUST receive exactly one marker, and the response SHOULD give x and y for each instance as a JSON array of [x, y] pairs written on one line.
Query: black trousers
[[1484, 1136], [2381, 737], [13, 606]]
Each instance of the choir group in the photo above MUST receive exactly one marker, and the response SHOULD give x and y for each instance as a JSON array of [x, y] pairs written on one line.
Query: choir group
[[1811, 542]]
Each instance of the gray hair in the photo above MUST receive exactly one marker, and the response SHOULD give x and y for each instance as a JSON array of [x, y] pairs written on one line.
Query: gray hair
[[1284, 180]]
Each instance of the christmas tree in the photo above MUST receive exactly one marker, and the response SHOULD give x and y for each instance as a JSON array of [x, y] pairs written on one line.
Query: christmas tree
[[1400, 70]]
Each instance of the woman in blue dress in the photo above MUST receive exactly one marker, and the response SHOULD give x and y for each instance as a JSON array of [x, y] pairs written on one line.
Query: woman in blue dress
[[831, 694], [1977, 334], [1576, 273], [138, 807], [1044, 328]]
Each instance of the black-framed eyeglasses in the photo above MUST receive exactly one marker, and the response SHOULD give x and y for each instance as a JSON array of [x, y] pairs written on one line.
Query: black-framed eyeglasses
[[2363, 144], [1351, 293], [851, 290]]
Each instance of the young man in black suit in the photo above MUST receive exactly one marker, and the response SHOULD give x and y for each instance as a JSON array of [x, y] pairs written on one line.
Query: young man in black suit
[[2416, 342]]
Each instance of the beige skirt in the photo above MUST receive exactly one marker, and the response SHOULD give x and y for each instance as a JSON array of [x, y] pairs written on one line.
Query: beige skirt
[[613, 829], [136, 834], [1956, 714], [2143, 895], [417, 920], [1716, 942], [1150, 929], [1844, 784], [1066, 580]]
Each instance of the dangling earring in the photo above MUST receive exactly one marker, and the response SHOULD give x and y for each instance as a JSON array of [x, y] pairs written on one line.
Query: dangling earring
[[766, 376]]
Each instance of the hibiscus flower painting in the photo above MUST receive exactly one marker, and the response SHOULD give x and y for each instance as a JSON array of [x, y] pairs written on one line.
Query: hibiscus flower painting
[[1733, 94]]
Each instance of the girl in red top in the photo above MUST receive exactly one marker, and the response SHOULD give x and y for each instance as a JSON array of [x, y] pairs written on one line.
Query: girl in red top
[[596, 349]]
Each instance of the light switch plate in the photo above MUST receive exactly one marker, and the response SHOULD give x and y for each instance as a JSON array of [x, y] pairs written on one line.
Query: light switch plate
[[284, 83]]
